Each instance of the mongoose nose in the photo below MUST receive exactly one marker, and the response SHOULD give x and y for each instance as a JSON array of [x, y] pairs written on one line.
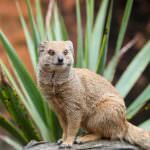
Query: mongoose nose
[[60, 59]]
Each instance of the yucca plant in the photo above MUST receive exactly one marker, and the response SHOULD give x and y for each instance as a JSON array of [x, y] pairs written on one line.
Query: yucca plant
[[31, 118]]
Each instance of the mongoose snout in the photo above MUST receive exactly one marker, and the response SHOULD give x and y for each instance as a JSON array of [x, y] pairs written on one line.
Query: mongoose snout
[[60, 59]]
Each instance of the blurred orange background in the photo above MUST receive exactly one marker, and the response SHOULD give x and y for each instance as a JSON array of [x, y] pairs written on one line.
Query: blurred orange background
[[139, 24]]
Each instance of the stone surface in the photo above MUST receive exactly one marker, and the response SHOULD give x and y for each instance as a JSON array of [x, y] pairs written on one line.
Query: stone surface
[[99, 145]]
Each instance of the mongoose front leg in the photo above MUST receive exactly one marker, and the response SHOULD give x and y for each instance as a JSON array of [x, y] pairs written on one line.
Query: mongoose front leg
[[64, 128], [73, 124], [63, 125], [87, 138]]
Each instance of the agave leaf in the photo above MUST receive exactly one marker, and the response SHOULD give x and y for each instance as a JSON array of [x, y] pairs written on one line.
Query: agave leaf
[[134, 70], [11, 129], [104, 44], [64, 29], [145, 125], [109, 72], [30, 107], [14, 84], [49, 34], [138, 103], [110, 69], [57, 25], [35, 33], [11, 80], [124, 24], [35, 99], [97, 34], [88, 31], [48, 19], [24, 76], [31, 47], [13, 105], [57, 127], [40, 21], [13, 143], [53, 125], [103, 51], [50, 123], [80, 59]]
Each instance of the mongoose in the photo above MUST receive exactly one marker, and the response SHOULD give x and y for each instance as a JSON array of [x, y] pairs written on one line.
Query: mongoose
[[83, 99]]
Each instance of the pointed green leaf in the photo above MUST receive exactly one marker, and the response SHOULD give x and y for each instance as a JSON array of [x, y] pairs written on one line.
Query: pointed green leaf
[[31, 48], [11, 129], [17, 111], [124, 24], [29, 106], [35, 99], [35, 33], [97, 34], [110, 70], [24, 76], [64, 29], [48, 21], [88, 30], [104, 44], [134, 70], [80, 59], [40, 21], [57, 25], [145, 125], [11, 80], [138, 103], [53, 124], [13, 143]]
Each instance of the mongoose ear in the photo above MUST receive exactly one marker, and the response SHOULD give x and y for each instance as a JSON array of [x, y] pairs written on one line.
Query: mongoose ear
[[42, 46], [70, 45]]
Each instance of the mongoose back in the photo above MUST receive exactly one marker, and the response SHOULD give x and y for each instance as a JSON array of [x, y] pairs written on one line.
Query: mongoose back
[[83, 99]]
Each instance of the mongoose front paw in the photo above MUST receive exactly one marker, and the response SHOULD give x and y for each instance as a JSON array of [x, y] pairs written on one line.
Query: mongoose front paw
[[59, 141], [65, 145]]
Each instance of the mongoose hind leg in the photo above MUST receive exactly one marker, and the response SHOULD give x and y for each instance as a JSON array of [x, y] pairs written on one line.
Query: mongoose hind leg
[[108, 118], [87, 138]]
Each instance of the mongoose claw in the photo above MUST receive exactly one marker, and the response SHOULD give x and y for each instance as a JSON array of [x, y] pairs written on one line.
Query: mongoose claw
[[65, 145], [59, 141]]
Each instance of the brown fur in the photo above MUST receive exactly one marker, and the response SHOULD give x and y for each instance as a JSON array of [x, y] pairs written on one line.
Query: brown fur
[[83, 99]]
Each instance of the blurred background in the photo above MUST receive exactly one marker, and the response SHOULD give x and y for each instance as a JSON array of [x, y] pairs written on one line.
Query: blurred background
[[139, 27]]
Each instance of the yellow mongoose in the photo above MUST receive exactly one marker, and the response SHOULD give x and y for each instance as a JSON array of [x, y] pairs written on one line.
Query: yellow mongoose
[[83, 99]]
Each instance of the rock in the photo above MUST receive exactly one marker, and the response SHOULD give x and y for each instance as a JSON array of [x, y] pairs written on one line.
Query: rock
[[97, 145]]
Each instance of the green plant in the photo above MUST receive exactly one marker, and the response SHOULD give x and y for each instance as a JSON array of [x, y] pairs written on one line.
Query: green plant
[[24, 101]]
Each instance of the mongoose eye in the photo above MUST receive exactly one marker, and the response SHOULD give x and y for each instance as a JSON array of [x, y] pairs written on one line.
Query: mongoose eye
[[65, 52], [51, 52]]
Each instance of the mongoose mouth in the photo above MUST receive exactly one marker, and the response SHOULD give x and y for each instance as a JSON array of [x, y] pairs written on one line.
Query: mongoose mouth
[[58, 64], [46, 65]]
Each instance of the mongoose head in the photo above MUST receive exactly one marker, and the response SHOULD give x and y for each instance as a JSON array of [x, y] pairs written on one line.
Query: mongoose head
[[56, 55]]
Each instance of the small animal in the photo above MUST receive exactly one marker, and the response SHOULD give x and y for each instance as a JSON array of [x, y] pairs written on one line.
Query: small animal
[[83, 99]]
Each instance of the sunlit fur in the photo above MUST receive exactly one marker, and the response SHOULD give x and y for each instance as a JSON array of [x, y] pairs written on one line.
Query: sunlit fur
[[83, 99]]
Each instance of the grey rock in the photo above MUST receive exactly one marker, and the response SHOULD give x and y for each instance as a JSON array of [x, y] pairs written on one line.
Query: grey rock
[[98, 145]]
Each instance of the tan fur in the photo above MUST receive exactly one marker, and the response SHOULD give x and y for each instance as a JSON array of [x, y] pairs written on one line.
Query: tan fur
[[83, 99]]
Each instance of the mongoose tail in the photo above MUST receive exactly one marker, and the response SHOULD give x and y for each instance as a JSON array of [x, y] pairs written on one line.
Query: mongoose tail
[[137, 136]]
